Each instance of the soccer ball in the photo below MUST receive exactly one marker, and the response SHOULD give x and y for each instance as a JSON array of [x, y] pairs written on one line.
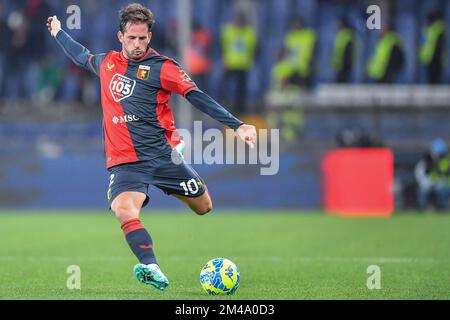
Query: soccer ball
[[220, 276]]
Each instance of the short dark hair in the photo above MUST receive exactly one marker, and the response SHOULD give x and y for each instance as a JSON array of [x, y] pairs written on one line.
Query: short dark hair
[[136, 13]]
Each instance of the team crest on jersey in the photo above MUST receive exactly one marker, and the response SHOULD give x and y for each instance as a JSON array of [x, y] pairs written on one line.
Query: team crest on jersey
[[143, 72]]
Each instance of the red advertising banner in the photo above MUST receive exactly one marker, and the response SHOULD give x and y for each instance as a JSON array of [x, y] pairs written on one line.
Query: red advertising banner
[[359, 182]]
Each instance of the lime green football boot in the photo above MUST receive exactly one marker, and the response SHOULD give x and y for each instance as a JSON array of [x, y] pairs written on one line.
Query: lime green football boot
[[151, 274]]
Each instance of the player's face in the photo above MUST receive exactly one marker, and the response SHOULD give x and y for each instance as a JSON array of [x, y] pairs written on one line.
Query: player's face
[[135, 40]]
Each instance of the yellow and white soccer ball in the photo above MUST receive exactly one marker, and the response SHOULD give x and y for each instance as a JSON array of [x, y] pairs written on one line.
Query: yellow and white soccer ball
[[220, 276]]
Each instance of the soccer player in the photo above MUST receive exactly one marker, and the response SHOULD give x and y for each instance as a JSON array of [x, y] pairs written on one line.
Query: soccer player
[[139, 131]]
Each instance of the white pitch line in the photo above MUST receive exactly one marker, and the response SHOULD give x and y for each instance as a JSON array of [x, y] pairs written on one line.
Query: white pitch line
[[64, 258], [335, 259], [304, 259]]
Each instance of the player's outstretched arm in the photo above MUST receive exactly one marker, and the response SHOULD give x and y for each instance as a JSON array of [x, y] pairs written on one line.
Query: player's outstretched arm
[[174, 79], [75, 51]]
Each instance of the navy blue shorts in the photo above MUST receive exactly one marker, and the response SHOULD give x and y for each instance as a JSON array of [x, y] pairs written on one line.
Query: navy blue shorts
[[162, 172]]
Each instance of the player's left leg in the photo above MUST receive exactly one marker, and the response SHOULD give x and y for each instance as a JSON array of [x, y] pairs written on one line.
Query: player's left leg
[[180, 180]]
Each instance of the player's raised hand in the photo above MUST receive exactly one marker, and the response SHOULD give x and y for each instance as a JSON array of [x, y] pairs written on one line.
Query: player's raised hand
[[53, 25], [247, 133]]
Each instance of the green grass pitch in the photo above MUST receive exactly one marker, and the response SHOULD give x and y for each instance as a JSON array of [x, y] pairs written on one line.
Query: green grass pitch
[[282, 255]]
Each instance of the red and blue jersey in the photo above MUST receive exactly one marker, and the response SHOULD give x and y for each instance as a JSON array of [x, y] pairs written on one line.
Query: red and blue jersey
[[137, 120], [138, 123]]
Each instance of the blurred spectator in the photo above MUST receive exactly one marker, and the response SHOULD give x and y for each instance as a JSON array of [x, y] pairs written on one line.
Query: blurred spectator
[[433, 176], [357, 137], [4, 36], [70, 88], [343, 52], [239, 43], [170, 38], [198, 55], [22, 38], [300, 44], [48, 81], [388, 58], [432, 52], [283, 72], [35, 12], [284, 89], [17, 55]]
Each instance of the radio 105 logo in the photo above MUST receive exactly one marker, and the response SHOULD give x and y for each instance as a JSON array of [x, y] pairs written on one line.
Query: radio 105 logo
[[121, 87]]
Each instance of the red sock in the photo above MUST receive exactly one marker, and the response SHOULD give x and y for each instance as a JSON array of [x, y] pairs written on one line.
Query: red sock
[[139, 241]]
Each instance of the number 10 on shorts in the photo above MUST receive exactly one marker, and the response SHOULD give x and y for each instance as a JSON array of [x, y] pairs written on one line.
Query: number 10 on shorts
[[190, 187]]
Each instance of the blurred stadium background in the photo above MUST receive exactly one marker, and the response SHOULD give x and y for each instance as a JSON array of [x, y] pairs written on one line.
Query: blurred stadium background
[[51, 117]]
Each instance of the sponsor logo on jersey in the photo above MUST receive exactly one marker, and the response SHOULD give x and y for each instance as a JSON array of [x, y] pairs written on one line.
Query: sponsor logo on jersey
[[121, 87], [125, 118], [143, 72]]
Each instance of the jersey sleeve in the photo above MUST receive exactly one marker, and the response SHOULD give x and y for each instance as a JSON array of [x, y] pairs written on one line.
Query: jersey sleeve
[[174, 79], [208, 105], [94, 62], [79, 54]]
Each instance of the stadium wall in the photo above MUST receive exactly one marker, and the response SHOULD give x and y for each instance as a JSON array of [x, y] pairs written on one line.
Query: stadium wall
[[74, 181], [59, 163]]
